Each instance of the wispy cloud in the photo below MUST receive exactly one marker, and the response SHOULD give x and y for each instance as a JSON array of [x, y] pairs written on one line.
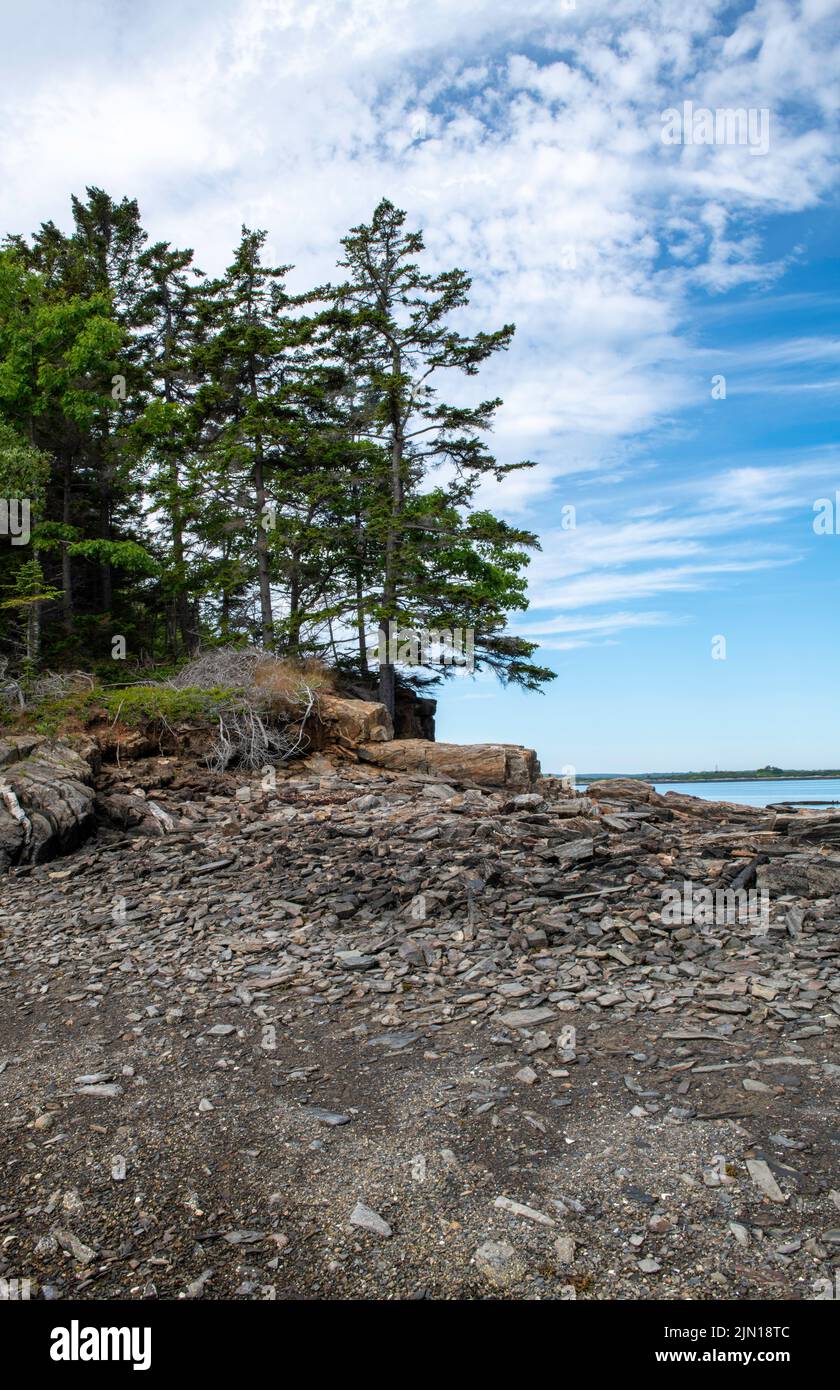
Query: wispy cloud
[[527, 140]]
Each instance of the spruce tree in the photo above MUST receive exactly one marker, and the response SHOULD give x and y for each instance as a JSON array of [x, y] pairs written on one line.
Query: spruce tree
[[436, 564]]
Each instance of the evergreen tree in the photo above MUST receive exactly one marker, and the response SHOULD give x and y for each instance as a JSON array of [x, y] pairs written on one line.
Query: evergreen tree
[[168, 338], [222, 460], [435, 563], [251, 364]]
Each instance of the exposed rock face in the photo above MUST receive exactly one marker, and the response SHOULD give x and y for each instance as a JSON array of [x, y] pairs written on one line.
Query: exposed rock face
[[131, 812], [46, 800], [414, 716], [621, 789], [350, 722], [48, 805], [628, 789], [488, 764]]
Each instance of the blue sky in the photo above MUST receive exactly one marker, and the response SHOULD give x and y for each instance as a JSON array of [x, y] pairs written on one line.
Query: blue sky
[[526, 140]]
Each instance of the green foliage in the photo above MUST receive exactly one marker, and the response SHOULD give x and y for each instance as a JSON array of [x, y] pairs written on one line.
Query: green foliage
[[135, 706], [24, 470], [125, 555], [220, 461], [142, 704]]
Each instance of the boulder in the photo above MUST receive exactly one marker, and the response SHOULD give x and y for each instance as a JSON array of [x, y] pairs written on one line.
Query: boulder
[[487, 764], [46, 800], [620, 789], [131, 812], [352, 722], [800, 875]]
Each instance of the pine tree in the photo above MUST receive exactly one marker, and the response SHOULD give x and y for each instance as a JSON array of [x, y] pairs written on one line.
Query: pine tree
[[435, 563], [168, 337], [223, 461], [252, 363]]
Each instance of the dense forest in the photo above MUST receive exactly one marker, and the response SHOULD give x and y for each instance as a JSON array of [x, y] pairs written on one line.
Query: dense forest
[[188, 461]]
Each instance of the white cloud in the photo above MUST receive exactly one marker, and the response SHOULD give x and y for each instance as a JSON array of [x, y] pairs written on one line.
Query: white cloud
[[299, 117]]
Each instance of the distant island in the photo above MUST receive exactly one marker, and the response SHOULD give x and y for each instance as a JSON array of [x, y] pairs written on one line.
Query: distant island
[[761, 774]]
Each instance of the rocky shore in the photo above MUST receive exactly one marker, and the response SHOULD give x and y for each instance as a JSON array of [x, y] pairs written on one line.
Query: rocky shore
[[400, 1023]]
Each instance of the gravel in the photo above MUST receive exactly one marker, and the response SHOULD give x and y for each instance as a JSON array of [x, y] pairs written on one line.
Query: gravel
[[374, 1035]]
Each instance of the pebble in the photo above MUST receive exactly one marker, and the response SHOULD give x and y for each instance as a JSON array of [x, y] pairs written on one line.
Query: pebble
[[499, 1263], [327, 1117], [369, 1220], [564, 1249], [763, 1179], [519, 1209]]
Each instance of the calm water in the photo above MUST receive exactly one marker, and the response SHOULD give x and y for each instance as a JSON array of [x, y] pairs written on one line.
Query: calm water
[[759, 793]]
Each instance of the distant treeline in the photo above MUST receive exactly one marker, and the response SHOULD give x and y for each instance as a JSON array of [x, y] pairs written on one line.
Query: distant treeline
[[763, 774]]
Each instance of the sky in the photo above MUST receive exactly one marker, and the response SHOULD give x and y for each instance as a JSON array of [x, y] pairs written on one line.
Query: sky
[[676, 365]]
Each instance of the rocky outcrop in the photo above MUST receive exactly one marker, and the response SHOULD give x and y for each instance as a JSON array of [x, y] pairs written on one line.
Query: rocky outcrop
[[46, 800], [620, 789], [414, 716], [49, 805], [485, 764], [623, 790], [350, 722]]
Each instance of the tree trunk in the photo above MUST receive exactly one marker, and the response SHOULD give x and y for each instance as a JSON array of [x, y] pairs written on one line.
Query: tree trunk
[[387, 675], [387, 672], [183, 607], [66, 562], [360, 627], [263, 573], [105, 575], [33, 636], [295, 613]]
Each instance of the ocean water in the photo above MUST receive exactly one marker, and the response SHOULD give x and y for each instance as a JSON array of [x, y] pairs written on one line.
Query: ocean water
[[820, 789]]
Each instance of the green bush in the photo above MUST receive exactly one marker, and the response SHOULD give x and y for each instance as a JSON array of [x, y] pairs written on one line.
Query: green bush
[[133, 705]]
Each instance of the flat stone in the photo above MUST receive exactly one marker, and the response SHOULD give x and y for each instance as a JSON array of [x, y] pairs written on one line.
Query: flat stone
[[499, 1263], [354, 960], [526, 1018], [369, 1220], [327, 1117], [527, 1213], [395, 1042], [764, 1180]]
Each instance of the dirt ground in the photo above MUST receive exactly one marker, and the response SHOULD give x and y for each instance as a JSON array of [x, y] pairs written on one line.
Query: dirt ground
[[253, 1197]]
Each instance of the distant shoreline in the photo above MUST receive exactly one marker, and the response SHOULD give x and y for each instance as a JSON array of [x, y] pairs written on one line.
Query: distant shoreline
[[704, 776]]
